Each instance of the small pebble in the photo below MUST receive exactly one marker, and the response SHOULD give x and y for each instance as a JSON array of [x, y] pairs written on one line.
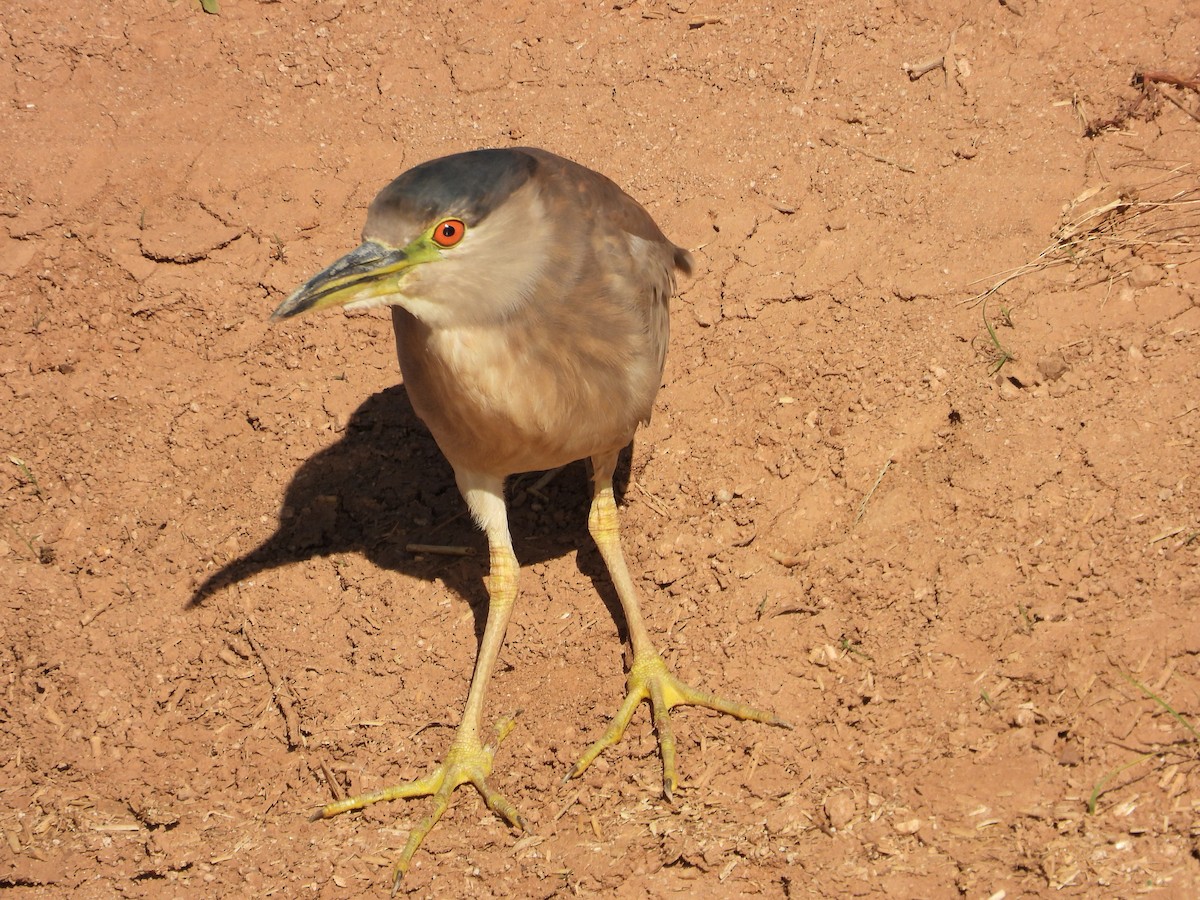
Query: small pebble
[[1070, 756], [1145, 275], [1052, 366], [908, 826], [840, 809], [1023, 718]]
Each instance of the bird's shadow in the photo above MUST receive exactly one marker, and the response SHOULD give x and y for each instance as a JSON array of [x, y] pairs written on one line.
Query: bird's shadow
[[385, 485]]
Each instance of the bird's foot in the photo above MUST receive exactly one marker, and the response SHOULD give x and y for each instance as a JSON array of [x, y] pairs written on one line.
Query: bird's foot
[[468, 760], [650, 679]]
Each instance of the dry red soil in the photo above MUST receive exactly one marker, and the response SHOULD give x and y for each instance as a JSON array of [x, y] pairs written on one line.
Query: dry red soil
[[961, 576]]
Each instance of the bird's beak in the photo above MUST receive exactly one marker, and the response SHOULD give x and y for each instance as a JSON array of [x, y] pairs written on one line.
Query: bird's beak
[[362, 276]]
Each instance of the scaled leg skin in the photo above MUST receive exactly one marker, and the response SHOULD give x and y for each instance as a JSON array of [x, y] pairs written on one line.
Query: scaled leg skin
[[468, 759], [648, 676]]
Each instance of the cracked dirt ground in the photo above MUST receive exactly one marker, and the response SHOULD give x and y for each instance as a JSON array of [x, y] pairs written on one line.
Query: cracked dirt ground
[[959, 574]]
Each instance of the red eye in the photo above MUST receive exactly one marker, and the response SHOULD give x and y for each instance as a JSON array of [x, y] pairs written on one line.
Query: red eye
[[449, 232]]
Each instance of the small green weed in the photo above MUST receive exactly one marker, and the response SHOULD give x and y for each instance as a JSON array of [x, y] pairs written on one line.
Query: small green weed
[[27, 476], [1002, 354], [1193, 742]]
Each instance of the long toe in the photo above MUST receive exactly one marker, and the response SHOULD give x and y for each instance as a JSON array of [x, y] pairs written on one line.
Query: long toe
[[649, 679], [468, 761]]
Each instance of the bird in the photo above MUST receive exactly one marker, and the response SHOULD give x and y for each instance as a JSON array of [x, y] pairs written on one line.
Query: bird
[[529, 298]]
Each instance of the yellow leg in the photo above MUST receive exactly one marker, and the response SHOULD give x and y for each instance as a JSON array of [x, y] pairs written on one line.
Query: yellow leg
[[648, 676], [468, 760]]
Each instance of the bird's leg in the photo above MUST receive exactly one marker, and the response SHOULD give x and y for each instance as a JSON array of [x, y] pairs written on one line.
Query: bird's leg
[[648, 675], [468, 759]]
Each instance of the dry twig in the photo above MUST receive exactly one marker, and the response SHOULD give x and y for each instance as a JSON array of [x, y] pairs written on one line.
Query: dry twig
[[440, 549], [279, 688], [810, 74], [916, 70], [862, 509], [867, 153], [1144, 105], [1164, 215], [335, 787], [943, 61]]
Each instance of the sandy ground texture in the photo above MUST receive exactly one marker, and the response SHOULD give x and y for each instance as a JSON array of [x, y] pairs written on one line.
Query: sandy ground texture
[[922, 476]]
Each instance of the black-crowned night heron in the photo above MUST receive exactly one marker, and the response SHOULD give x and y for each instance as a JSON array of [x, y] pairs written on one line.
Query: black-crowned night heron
[[529, 298]]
